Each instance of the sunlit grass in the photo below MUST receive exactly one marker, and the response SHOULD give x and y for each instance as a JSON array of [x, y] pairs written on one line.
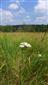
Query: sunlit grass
[[23, 66]]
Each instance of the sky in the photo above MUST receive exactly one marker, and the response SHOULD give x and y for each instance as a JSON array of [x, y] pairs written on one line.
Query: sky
[[18, 12]]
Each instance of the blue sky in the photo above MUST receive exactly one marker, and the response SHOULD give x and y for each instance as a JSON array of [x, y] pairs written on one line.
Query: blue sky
[[14, 12]]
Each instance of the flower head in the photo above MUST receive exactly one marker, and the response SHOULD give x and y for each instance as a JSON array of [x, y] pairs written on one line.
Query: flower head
[[24, 44], [21, 46], [39, 55]]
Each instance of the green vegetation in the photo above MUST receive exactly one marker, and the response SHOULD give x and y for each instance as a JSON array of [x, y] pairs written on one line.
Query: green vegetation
[[24, 28], [23, 66]]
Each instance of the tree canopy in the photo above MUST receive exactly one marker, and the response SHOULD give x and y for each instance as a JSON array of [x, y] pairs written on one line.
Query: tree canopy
[[24, 28]]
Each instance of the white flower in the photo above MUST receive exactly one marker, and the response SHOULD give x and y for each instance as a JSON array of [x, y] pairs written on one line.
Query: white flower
[[29, 45], [39, 55], [21, 46], [24, 44]]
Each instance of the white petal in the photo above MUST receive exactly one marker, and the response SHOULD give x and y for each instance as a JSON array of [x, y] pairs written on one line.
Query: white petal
[[39, 55], [21, 46]]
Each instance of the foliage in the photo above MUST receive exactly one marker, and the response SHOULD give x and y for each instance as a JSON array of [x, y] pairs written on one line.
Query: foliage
[[24, 28]]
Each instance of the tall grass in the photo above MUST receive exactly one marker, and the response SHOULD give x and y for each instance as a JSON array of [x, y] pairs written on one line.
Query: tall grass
[[23, 66]]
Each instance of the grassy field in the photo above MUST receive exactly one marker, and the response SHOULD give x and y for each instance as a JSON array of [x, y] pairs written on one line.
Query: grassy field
[[23, 66]]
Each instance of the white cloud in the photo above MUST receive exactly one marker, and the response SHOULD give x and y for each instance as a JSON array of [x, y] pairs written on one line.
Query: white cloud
[[21, 11], [27, 20], [42, 18], [13, 6], [18, 1], [28, 17], [15, 14], [42, 6], [6, 16], [41, 9]]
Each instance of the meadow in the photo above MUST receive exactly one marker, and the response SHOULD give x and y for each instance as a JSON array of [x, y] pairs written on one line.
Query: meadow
[[23, 66]]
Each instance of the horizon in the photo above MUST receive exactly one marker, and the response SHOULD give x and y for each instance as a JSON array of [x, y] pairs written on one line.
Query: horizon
[[21, 24]]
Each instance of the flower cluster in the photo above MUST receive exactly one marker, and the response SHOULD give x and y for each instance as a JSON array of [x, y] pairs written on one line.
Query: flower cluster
[[24, 44]]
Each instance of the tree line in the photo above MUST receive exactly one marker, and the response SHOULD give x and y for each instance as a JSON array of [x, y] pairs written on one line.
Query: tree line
[[24, 28]]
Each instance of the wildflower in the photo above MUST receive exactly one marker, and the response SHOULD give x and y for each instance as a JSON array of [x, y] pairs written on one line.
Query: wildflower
[[24, 44], [21, 46], [39, 55]]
